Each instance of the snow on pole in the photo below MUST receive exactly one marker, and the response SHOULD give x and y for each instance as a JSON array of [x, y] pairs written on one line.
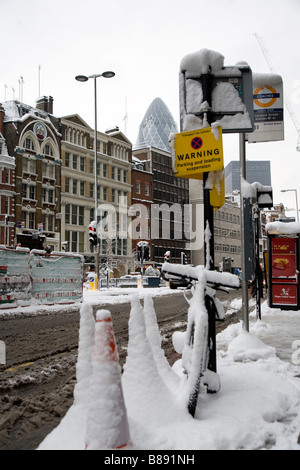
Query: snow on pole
[[107, 424], [85, 348]]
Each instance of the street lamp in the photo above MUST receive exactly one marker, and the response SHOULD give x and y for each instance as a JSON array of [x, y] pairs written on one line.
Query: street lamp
[[84, 78], [287, 190]]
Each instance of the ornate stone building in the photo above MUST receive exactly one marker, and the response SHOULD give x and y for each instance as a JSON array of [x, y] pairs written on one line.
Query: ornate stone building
[[33, 139], [114, 163]]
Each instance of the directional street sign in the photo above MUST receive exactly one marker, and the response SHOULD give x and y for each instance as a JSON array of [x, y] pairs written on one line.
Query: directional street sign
[[268, 108]]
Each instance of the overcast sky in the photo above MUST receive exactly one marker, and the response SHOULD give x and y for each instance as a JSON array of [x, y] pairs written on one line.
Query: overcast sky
[[143, 42]]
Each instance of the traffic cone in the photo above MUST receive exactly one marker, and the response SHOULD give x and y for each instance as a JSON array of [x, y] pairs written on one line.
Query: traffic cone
[[107, 423]]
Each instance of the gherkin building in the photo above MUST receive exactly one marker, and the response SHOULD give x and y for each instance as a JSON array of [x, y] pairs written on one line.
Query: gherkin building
[[156, 127]]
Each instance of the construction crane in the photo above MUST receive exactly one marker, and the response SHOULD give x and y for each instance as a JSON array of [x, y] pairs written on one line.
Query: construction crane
[[286, 100]]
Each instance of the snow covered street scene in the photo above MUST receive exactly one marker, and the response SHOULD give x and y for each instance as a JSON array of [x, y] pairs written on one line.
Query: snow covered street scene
[[149, 228], [256, 408]]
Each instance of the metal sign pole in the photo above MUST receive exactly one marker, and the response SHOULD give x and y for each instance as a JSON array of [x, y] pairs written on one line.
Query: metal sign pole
[[245, 304], [209, 255], [258, 277], [209, 249]]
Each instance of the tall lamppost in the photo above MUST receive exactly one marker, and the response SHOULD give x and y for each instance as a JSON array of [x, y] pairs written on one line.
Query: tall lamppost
[[295, 190], [84, 78]]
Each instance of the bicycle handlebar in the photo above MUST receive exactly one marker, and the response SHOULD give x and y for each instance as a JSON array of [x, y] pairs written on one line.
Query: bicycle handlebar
[[191, 273]]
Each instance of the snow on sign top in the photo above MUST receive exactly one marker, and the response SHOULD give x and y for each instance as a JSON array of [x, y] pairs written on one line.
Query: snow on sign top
[[289, 228], [230, 89], [201, 62]]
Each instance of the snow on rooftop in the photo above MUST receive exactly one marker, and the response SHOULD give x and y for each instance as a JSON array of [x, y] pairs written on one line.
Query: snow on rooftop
[[16, 111]]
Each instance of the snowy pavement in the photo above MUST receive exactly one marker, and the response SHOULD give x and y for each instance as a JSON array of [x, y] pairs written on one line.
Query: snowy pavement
[[258, 406]]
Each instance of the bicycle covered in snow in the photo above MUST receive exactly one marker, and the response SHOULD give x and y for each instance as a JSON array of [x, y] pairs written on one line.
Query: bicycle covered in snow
[[199, 349]]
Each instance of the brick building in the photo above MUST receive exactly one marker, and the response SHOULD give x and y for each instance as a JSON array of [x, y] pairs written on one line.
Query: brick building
[[7, 190], [141, 200], [33, 139], [169, 225]]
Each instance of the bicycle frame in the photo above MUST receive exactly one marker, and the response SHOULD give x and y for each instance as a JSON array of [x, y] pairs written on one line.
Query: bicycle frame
[[199, 352]]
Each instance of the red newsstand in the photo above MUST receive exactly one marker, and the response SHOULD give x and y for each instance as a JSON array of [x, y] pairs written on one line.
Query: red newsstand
[[284, 272]]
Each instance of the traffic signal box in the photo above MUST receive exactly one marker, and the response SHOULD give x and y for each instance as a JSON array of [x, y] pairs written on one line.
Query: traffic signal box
[[284, 272], [143, 251], [93, 234]]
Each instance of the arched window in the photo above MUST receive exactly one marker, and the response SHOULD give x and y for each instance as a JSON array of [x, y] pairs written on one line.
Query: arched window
[[48, 150], [29, 144]]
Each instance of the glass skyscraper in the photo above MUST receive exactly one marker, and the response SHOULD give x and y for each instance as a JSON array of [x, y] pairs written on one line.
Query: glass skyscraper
[[156, 127]]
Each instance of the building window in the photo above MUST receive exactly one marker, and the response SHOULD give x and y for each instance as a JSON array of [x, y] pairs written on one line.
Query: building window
[[74, 214], [82, 184], [48, 150], [67, 185], [6, 209], [28, 191], [48, 222], [75, 186], [81, 215], [138, 188], [48, 170], [31, 220], [50, 196], [67, 213], [28, 165], [82, 164], [75, 162], [76, 241], [47, 195], [29, 144]]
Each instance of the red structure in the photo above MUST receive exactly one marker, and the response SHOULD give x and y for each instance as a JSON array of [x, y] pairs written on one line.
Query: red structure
[[284, 272], [7, 190]]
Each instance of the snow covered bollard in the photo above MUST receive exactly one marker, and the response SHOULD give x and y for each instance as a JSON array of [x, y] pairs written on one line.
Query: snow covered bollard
[[107, 423], [85, 349]]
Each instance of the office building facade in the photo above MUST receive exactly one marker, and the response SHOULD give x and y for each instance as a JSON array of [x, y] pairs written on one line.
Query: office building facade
[[256, 171]]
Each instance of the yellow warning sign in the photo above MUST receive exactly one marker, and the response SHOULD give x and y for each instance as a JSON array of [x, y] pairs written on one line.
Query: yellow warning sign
[[217, 192], [197, 152]]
